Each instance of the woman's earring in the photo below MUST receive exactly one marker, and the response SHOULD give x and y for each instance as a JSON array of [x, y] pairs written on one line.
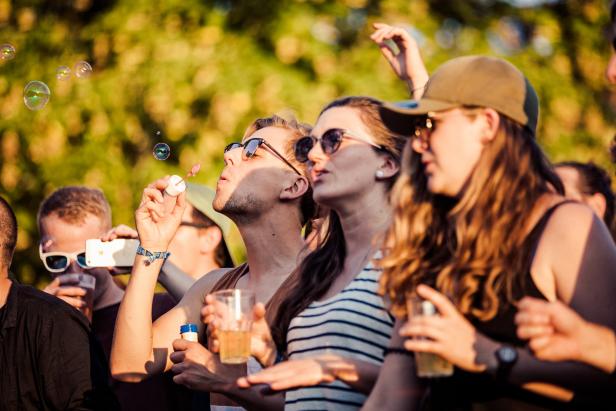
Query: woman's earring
[[379, 174]]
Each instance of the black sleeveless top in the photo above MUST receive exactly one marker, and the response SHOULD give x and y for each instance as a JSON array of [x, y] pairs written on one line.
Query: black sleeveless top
[[475, 391]]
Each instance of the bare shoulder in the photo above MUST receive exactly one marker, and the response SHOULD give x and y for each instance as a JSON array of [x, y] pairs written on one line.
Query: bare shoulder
[[567, 230], [571, 219]]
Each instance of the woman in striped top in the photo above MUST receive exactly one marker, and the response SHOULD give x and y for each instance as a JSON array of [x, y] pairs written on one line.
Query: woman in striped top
[[335, 325]]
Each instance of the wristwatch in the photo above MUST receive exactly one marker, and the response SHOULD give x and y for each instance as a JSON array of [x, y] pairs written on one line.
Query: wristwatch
[[506, 357], [152, 255]]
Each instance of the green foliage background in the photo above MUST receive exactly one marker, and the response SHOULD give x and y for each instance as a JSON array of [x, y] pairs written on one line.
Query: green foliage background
[[201, 71]]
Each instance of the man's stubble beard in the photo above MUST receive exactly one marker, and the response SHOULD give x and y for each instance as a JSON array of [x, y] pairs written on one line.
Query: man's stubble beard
[[242, 209]]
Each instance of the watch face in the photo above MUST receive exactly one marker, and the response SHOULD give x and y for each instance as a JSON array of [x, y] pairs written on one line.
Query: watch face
[[507, 354]]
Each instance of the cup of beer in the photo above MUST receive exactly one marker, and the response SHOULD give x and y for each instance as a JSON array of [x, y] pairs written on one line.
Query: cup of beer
[[233, 312], [85, 281], [428, 365]]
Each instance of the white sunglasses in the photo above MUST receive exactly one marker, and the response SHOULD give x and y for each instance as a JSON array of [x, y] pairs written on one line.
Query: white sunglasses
[[58, 262]]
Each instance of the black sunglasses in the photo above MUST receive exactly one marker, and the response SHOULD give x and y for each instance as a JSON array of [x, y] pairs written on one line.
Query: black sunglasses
[[252, 145], [330, 143]]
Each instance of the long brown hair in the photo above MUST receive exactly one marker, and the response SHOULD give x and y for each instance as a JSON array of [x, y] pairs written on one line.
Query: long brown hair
[[321, 267], [468, 248]]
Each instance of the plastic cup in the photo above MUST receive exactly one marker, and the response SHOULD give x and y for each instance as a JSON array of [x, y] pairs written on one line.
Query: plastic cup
[[233, 312], [428, 365]]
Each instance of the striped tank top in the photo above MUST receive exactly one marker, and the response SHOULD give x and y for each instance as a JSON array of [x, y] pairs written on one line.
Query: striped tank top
[[353, 324]]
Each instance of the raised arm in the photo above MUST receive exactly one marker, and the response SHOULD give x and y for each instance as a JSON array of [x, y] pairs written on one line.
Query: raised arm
[[141, 348], [406, 61]]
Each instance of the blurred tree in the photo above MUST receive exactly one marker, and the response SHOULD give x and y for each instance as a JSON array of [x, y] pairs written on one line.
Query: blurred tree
[[200, 72]]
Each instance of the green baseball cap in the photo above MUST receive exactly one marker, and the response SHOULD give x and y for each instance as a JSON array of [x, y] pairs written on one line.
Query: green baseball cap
[[469, 81], [201, 198]]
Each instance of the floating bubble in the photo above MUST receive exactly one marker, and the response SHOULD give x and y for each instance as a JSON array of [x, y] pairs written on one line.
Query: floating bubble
[[83, 69], [161, 151], [509, 37], [36, 95], [63, 73], [542, 45], [7, 51]]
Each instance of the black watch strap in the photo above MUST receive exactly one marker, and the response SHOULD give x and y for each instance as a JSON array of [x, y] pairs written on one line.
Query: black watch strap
[[506, 357]]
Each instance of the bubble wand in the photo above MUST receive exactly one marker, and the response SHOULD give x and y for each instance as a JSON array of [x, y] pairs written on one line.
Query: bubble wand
[[177, 184]]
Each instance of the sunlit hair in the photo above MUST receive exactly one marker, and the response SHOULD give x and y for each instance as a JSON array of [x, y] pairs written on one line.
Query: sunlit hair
[[322, 266], [72, 204], [468, 248], [297, 130]]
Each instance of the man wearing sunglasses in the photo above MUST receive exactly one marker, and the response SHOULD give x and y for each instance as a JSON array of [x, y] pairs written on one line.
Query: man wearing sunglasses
[[264, 192], [41, 367], [66, 219]]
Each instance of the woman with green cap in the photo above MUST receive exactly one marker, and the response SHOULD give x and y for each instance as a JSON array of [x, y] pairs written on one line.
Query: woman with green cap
[[480, 222]]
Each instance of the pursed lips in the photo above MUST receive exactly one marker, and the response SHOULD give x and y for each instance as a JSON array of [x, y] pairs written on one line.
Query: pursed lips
[[315, 174]]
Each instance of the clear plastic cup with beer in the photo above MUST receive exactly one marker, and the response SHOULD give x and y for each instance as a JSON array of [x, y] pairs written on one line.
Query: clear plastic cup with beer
[[428, 365], [233, 312]]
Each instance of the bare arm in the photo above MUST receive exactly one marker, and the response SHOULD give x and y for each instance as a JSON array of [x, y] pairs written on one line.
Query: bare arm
[[581, 256], [397, 386], [141, 347]]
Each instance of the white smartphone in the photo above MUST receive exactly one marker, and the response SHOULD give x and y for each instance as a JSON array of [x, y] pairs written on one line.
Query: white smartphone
[[115, 253]]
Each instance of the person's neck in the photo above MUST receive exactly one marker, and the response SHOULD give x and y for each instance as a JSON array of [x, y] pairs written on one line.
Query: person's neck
[[362, 220], [273, 243], [110, 295], [5, 287]]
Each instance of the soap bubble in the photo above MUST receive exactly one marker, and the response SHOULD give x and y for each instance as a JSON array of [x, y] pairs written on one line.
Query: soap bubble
[[83, 69], [36, 95], [161, 151], [63, 73], [7, 51]]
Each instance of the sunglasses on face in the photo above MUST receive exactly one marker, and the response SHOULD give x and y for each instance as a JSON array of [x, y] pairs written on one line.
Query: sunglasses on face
[[251, 146], [58, 262], [330, 143], [420, 140]]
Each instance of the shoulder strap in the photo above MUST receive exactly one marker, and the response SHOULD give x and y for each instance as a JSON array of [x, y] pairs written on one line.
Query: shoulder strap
[[230, 278]]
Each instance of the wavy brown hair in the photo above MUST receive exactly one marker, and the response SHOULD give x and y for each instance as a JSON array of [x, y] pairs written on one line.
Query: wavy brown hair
[[321, 267], [468, 248]]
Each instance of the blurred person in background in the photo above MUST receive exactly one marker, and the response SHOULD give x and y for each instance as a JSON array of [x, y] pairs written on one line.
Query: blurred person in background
[[591, 185], [266, 193], [48, 357], [480, 223], [199, 246], [66, 219]]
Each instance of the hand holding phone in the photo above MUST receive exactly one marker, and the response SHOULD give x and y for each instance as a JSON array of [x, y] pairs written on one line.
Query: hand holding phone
[[116, 253]]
